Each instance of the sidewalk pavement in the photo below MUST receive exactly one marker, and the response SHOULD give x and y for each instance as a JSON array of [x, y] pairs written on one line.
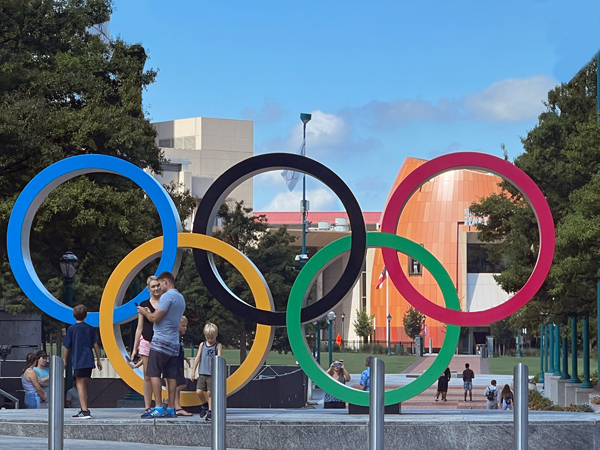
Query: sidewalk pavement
[[28, 443]]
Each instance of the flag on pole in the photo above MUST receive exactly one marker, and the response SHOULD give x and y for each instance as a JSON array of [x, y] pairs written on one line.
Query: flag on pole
[[291, 177], [381, 279]]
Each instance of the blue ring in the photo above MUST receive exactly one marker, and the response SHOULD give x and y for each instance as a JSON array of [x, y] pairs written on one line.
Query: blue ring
[[28, 202]]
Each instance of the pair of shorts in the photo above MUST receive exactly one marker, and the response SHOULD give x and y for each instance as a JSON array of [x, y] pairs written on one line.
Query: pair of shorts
[[204, 383], [161, 364], [32, 400], [468, 385], [144, 347], [181, 380], [82, 373]]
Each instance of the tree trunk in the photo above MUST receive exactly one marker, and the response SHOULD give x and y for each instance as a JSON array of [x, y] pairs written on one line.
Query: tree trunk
[[242, 331]]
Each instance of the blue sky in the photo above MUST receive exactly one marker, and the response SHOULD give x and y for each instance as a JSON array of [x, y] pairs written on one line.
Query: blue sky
[[383, 79]]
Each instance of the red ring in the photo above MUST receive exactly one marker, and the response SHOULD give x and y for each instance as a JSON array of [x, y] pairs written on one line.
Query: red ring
[[531, 193]]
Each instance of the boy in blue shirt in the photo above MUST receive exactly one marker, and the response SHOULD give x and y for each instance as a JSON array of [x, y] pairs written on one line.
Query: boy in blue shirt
[[79, 341]]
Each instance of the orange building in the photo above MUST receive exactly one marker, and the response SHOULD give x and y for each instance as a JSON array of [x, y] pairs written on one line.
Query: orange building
[[437, 216]]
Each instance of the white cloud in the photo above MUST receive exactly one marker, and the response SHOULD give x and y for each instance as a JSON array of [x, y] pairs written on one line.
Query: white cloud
[[320, 200], [507, 100], [323, 129], [510, 99], [270, 111]]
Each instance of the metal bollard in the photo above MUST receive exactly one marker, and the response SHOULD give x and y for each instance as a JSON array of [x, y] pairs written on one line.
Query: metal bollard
[[376, 404], [56, 409], [219, 403], [521, 412]]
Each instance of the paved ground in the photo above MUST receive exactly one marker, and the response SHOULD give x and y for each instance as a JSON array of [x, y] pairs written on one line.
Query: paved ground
[[27, 443]]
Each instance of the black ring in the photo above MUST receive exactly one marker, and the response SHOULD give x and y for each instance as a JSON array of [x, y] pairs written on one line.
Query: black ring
[[227, 182]]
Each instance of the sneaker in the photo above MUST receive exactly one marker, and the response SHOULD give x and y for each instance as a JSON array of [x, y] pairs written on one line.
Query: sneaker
[[83, 415], [435, 398], [155, 413], [208, 416], [170, 413]]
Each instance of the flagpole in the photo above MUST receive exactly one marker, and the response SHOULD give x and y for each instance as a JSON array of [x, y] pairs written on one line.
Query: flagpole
[[305, 118], [387, 304]]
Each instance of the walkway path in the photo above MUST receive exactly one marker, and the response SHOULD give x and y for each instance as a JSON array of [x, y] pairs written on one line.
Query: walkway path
[[455, 395]]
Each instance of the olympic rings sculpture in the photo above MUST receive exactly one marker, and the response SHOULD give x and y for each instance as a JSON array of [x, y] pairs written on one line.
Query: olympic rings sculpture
[[112, 312]]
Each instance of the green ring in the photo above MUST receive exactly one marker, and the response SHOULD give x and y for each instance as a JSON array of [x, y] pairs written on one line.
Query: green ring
[[300, 291]]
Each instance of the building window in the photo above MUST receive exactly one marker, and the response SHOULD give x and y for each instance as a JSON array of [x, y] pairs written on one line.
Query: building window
[[479, 262], [414, 266]]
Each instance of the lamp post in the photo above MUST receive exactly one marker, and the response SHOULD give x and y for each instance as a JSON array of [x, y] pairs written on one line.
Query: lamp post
[[305, 118], [343, 317], [389, 319], [330, 319], [68, 266]]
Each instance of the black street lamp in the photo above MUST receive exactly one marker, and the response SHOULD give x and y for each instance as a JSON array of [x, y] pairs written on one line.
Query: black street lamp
[[68, 267], [343, 316], [389, 319]]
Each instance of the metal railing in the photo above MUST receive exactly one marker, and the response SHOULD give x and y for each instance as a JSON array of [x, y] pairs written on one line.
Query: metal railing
[[219, 403], [56, 418], [11, 397], [377, 404], [521, 412]]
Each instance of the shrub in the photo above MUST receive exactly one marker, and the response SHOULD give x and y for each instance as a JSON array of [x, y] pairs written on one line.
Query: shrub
[[375, 349]]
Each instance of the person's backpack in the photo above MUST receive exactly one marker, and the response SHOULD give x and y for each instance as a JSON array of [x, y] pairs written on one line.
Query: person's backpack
[[491, 394], [508, 400]]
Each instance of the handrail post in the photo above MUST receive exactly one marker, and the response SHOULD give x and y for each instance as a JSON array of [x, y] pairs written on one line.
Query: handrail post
[[521, 414], [56, 409], [219, 403], [376, 404]]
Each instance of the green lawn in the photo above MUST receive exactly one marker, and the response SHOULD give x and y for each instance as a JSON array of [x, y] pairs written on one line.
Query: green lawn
[[505, 365], [354, 362]]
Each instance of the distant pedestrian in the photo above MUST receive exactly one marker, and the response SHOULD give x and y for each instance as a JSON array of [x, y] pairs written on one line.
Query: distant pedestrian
[[164, 348], [468, 376], [206, 352], [492, 394], [80, 342], [506, 398], [442, 388], [34, 394]]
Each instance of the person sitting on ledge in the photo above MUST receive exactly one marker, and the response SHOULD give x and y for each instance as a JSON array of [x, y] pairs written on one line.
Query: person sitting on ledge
[[339, 373]]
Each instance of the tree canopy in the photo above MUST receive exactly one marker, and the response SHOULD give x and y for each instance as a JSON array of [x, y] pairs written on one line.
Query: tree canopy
[[413, 322], [64, 91], [562, 156], [272, 254]]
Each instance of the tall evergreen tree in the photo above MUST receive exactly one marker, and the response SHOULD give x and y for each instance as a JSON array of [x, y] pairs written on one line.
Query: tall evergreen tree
[[562, 155], [66, 92]]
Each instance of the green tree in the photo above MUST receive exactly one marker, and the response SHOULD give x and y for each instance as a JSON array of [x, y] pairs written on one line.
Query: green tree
[[562, 156], [65, 92], [413, 322], [503, 333], [272, 254], [363, 324]]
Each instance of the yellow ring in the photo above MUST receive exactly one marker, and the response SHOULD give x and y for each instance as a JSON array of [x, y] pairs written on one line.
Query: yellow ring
[[124, 273]]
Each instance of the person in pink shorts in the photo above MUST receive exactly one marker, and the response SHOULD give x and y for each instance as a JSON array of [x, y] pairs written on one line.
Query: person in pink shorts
[[143, 337]]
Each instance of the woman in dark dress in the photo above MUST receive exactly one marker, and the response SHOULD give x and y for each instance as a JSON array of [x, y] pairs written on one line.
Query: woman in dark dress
[[143, 337], [443, 385]]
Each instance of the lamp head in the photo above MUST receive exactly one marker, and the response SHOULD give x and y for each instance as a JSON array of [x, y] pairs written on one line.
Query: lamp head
[[68, 264], [305, 118]]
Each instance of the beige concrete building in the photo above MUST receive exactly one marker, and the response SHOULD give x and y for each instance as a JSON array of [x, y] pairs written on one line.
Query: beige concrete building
[[199, 149]]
